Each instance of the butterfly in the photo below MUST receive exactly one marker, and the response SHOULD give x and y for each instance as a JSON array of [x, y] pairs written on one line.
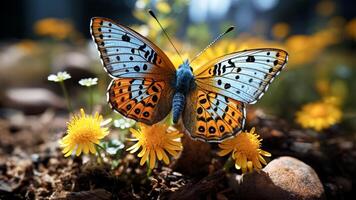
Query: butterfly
[[211, 100]]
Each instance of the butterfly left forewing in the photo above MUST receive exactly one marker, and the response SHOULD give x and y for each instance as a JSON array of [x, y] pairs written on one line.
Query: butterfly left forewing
[[125, 53], [244, 75], [143, 74], [212, 117]]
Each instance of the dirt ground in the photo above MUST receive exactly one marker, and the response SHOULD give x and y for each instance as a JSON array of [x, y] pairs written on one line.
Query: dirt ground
[[33, 167]]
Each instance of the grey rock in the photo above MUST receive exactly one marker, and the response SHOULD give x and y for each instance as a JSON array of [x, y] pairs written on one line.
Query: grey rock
[[32, 100], [283, 178]]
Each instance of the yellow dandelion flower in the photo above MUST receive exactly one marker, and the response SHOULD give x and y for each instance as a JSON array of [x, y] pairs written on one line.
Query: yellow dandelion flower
[[84, 131], [319, 115], [246, 152], [155, 142]]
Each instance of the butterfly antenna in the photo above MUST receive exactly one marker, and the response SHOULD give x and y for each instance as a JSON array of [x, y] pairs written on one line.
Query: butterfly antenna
[[213, 42], [164, 31]]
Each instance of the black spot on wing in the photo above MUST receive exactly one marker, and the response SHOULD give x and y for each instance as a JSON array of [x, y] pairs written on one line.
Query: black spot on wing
[[126, 38], [250, 59]]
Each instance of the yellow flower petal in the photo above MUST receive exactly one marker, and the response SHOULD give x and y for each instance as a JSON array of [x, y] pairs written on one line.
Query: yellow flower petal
[[144, 158], [265, 153], [159, 153], [68, 148], [133, 148], [172, 152], [172, 147], [224, 152], [152, 159], [92, 148], [155, 141], [250, 166], [165, 158], [135, 133], [237, 166], [68, 153], [243, 160], [256, 163], [263, 161], [143, 151], [86, 148], [79, 150]]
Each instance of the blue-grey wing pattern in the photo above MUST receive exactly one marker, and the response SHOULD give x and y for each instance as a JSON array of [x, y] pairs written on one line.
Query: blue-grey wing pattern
[[244, 75], [127, 54]]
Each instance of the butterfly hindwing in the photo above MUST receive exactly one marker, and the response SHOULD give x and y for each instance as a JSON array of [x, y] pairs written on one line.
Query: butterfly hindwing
[[244, 75], [212, 117], [144, 100], [125, 53]]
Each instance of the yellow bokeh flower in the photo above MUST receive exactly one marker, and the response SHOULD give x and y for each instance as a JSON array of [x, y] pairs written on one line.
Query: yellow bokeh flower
[[176, 59], [325, 8], [155, 142], [221, 48], [319, 115], [163, 7], [306, 48], [280, 30], [246, 152], [83, 133], [52, 27], [351, 28]]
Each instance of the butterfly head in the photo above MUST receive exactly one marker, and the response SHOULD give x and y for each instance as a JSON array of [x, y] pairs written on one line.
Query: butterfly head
[[184, 78]]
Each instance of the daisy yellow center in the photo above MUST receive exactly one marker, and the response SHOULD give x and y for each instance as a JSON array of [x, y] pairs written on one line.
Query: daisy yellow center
[[156, 137], [84, 130]]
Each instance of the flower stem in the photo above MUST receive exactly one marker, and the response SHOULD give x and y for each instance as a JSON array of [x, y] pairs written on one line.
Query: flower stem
[[65, 93], [149, 170], [101, 160], [97, 146], [91, 99]]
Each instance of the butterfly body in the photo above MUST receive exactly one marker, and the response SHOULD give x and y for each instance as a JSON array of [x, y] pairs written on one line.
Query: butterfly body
[[184, 84], [211, 99]]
